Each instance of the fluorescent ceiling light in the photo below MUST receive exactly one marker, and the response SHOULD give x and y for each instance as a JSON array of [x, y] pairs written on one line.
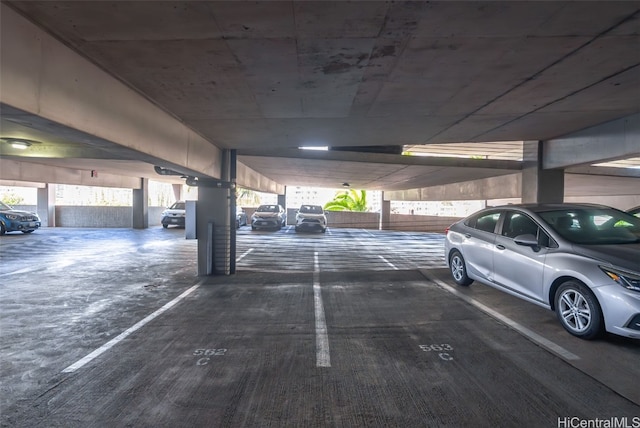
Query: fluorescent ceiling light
[[324, 148]]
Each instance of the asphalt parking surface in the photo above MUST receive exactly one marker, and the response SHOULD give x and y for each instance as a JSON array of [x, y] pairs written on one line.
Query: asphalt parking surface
[[111, 327]]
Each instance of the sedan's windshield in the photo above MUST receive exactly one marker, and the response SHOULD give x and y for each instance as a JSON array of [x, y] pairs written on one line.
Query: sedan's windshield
[[311, 209], [268, 209], [594, 226]]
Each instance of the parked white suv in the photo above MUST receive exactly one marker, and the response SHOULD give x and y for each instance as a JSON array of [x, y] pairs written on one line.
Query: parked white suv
[[174, 215], [269, 216], [311, 217]]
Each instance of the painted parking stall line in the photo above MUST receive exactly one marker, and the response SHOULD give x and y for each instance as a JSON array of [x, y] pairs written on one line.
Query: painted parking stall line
[[528, 333], [323, 358], [246, 253], [137, 326], [391, 265]]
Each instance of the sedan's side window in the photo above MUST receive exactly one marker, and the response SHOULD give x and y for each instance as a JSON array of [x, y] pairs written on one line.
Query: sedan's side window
[[486, 222], [518, 224]]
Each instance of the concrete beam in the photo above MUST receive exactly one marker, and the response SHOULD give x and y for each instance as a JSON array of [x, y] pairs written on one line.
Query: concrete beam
[[250, 179], [20, 172], [509, 186], [41, 76], [613, 140], [603, 170], [506, 186], [600, 185], [383, 158]]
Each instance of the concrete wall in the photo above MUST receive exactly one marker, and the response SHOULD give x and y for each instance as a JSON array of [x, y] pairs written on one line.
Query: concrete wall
[[91, 216], [421, 223]]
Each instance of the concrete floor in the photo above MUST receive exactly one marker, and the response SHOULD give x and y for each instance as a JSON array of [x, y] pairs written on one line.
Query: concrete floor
[[348, 328]]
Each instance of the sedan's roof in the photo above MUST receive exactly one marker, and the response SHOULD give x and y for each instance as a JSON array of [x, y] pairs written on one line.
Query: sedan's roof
[[550, 206]]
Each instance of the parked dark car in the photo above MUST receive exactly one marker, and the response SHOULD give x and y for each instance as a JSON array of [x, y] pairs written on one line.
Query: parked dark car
[[580, 260], [241, 217], [269, 217], [174, 215], [17, 221]]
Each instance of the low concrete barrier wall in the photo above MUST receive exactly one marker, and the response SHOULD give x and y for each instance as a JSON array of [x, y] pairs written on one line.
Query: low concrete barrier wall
[[421, 223], [90, 216], [353, 219]]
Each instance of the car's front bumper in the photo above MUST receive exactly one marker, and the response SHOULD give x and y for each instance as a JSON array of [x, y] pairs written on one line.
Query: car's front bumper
[[621, 309], [310, 225], [173, 221], [21, 226], [265, 222]]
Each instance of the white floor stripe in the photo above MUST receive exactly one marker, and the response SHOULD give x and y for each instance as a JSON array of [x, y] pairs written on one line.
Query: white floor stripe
[[110, 344], [244, 254], [323, 358], [530, 334], [388, 262]]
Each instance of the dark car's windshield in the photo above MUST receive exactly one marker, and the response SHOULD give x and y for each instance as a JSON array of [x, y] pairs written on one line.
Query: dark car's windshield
[[311, 209], [594, 226], [268, 209]]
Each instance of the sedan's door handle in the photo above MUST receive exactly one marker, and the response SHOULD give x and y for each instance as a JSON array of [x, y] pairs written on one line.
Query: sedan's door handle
[[500, 247]]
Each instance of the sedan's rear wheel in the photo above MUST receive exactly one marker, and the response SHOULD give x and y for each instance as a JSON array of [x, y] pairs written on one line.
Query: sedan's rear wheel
[[458, 269], [578, 310]]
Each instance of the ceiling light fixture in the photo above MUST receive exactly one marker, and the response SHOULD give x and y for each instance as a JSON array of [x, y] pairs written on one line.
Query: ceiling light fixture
[[346, 185], [20, 143]]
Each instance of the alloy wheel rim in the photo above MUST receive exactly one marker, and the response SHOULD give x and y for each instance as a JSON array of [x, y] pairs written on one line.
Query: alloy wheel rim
[[456, 268], [575, 310]]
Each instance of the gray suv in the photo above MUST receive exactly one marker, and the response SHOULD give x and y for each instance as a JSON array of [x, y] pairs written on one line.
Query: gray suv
[[580, 260]]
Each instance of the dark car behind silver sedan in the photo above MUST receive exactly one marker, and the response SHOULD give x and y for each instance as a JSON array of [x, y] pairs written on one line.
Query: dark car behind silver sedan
[[580, 260]]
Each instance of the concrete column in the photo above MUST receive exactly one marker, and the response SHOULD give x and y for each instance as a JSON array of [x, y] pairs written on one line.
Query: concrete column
[[215, 224], [213, 231], [282, 199], [46, 208], [385, 214], [141, 205], [177, 191], [540, 185]]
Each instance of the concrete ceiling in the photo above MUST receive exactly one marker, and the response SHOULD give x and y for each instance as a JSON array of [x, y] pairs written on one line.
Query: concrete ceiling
[[267, 77]]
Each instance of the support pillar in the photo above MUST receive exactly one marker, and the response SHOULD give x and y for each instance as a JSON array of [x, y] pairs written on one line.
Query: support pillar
[[540, 185], [385, 214], [141, 205], [46, 207], [215, 224], [177, 192], [282, 200]]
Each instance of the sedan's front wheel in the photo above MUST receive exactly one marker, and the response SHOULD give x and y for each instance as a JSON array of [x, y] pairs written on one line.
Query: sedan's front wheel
[[578, 310], [458, 269]]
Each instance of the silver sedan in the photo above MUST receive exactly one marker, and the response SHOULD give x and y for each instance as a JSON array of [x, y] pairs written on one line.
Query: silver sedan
[[580, 260]]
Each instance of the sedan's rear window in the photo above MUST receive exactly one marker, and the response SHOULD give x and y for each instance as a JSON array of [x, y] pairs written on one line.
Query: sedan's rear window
[[486, 221], [594, 226]]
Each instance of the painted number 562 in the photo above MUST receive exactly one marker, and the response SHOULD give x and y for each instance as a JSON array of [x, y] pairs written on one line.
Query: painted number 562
[[437, 348]]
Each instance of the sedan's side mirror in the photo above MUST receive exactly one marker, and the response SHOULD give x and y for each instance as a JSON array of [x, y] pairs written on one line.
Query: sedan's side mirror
[[528, 240]]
